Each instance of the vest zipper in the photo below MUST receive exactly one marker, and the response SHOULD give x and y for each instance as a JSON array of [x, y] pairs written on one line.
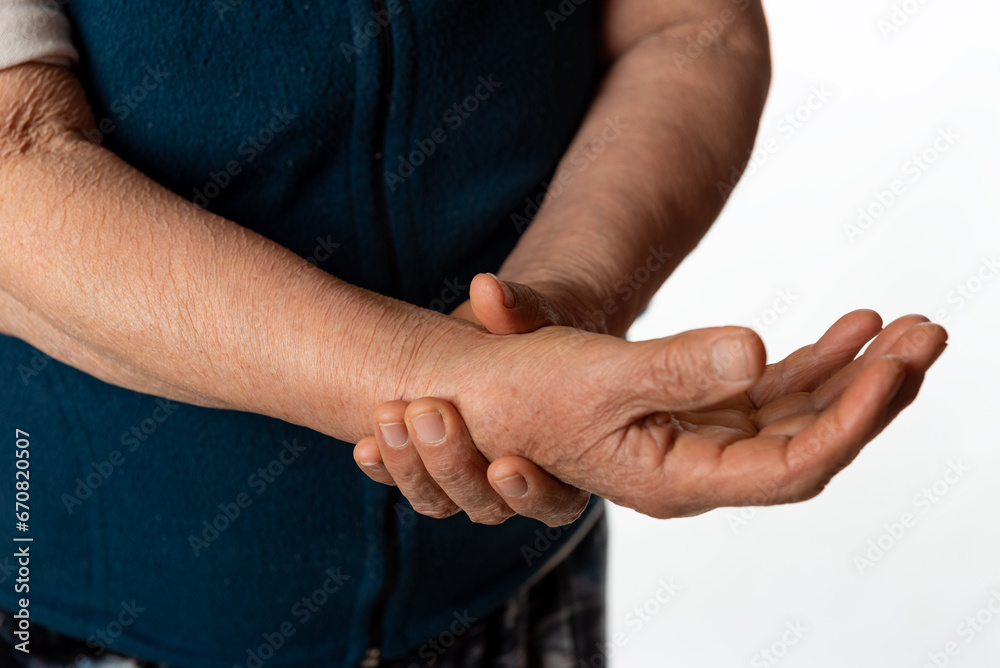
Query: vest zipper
[[378, 154], [373, 656]]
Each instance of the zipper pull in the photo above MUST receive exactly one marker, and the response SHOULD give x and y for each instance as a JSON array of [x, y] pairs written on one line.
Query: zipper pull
[[372, 658]]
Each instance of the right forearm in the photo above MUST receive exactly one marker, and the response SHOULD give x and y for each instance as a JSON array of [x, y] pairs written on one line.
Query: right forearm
[[106, 270]]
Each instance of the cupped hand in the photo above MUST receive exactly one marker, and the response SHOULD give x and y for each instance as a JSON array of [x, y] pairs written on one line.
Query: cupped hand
[[652, 426]]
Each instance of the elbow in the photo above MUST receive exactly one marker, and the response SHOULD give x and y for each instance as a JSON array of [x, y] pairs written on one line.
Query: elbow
[[41, 106]]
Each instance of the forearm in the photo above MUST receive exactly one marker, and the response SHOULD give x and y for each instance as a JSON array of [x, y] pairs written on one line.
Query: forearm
[[639, 180], [107, 271]]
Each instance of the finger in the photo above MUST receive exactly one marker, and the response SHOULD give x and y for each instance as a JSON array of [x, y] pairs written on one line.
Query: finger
[[792, 425], [887, 338], [834, 440], [808, 367], [369, 460], [452, 460], [505, 307], [695, 369], [403, 463], [917, 348], [914, 345], [781, 468], [883, 344], [783, 408], [532, 492], [920, 347]]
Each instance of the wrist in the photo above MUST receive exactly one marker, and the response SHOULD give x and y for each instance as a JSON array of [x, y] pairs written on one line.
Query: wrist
[[387, 350]]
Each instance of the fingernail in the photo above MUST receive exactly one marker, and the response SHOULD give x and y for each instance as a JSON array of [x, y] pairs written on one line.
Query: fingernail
[[394, 434], [730, 360], [430, 427], [515, 486], [508, 294]]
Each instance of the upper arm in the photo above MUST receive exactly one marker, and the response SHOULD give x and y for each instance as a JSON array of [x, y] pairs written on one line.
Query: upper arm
[[737, 24]]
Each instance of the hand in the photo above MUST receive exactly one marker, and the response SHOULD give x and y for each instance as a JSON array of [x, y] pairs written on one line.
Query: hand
[[629, 420], [462, 478]]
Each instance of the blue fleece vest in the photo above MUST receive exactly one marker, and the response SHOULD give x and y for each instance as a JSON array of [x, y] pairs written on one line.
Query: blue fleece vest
[[396, 145]]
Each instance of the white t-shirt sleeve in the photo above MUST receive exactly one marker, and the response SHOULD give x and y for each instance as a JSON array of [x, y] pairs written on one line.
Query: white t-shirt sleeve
[[34, 31]]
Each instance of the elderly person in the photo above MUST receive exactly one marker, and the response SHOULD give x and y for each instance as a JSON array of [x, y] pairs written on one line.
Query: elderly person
[[227, 229]]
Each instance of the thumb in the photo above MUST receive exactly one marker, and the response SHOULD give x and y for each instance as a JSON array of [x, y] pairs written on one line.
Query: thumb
[[505, 307], [700, 368]]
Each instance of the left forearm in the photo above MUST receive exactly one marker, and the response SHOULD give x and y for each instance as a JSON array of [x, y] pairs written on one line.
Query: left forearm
[[637, 188]]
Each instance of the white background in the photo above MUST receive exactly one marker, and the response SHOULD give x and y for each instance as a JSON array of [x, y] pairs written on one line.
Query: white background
[[740, 584]]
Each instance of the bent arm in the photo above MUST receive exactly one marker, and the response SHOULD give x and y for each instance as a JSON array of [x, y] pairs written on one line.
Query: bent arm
[[107, 271], [639, 180]]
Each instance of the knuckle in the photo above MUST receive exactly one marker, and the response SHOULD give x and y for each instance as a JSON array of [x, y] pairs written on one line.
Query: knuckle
[[450, 476], [561, 519], [410, 479], [428, 500], [569, 513], [438, 511], [803, 488], [684, 370], [390, 411], [423, 405], [489, 510], [803, 493], [772, 490], [491, 517]]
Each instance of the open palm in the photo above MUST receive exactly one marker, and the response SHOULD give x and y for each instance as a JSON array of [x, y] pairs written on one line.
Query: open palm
[[806, 418]]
